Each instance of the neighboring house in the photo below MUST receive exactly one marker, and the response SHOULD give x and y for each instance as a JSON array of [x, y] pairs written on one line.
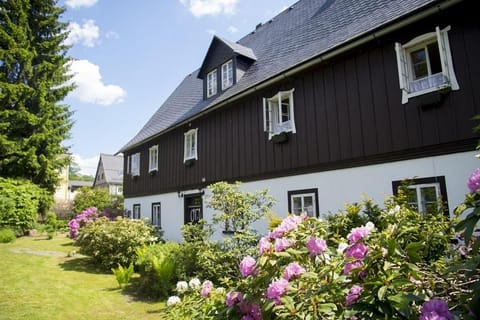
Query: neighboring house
[[329, 100], [74, 185], [109, 174]]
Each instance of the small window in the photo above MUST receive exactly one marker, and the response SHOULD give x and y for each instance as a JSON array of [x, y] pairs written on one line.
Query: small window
[[156, 215], [425, 65], [227, 74], [190, 145], [212, 83], [135, 164], [300, 201], [278, 113], [425, 195], [153, 159], [136, 211]]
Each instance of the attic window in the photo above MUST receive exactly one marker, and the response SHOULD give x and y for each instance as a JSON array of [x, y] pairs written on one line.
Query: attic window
[[133, 164], [227, 74], [212, 83], [425, 65], [190, 145], [153, 159]]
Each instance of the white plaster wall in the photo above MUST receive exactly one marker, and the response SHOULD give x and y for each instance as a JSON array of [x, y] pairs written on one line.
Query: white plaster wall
[[335, 188]]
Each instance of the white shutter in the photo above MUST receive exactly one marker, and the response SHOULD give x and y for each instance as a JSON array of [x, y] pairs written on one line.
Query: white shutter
[[267, 117], [292, 115], [402, 71], [446, 57]]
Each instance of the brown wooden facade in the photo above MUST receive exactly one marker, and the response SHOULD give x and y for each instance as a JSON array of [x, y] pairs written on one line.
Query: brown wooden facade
[[348, 113]]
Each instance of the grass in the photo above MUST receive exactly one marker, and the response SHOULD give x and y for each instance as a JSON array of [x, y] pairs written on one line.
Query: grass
[[40, 281]]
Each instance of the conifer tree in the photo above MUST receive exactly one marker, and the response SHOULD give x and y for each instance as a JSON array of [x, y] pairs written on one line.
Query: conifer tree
[[33, 83]]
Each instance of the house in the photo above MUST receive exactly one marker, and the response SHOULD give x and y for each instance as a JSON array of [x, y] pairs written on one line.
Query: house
[[329, 100], [109, 174]]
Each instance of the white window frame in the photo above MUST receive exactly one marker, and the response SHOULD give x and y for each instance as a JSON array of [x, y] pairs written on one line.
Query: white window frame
[[157, 214], [302, 197], [212, 83], [418, 189], [153, 158], [189, 150], [227, 74], [272, 112], [135, 164], [405, 70]]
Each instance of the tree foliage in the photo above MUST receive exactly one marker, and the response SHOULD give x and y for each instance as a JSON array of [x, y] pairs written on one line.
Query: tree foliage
[[33, 83], [88, 197]]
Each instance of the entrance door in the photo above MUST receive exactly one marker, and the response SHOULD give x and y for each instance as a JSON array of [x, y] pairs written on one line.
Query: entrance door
[[193, 208]]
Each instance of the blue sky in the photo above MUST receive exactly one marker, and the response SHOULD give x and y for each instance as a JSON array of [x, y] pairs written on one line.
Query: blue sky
[[130, 55]]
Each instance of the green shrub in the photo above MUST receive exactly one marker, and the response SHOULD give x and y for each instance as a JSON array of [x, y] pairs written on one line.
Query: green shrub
[[112, 243], [7, 235], [20, 203], [157, 268], [88, 197], [123, 275]]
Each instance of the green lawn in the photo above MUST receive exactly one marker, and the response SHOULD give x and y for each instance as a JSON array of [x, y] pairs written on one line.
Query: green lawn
[[39, 281]]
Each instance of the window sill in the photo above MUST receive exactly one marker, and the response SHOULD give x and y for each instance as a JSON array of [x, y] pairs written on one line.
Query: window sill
[[441, 89], [280, 137], [228, 232], [189, 162], [152, 172]]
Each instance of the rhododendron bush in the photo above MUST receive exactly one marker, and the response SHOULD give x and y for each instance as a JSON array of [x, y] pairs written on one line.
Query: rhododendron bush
[[401, 267]]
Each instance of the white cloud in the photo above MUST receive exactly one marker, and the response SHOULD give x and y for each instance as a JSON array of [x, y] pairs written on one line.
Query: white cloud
[[80, 3], [86, 34], [87, 166], [90, 87], [210, 7], [232, 29]]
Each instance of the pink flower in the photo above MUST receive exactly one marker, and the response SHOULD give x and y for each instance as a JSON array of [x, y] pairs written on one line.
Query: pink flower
[[264, 245], [349, 266], [436, 309], [316, 246], [276, 289], [282, 244], [359, 233], [473, 182], [247, 265], [357, 251], [233, 297], [353, 294], [207, 287], [288, 224], [250, 311], [292, 270]]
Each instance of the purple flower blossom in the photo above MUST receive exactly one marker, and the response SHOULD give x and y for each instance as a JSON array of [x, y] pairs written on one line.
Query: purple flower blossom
[[282, 244], [288, 224], [250, 311], [247, 265], [349, 266], [359, 233], [276, 289], [353, 294], [316, 246], [207, 287], [473, 182], [436, 309], [357, 251], [292, 270], [264, 245], [233, 297]]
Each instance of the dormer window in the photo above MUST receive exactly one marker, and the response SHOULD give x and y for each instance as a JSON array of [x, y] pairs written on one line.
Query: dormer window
[[212, 83], [227, 74]]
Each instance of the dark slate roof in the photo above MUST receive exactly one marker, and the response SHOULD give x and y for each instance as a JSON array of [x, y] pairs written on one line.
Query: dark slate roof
[[112, 168], [307, 29]]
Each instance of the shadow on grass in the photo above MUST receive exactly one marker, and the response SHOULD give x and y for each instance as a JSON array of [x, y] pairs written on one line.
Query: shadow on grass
[[135, 293], [82, 264]]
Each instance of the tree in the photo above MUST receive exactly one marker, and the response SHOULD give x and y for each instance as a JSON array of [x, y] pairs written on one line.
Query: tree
[[74, 173], [33, 82], [88, 197]]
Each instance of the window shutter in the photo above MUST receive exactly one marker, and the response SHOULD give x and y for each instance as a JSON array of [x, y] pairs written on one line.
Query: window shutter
[[129, 159], [267, 116], [446, 56], [292, 115], [402, 71]]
